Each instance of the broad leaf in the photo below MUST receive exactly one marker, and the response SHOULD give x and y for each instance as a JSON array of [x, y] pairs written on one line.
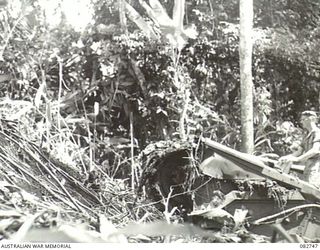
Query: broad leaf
[[41, 92], [240, 216], [108, 231], [216, 214]]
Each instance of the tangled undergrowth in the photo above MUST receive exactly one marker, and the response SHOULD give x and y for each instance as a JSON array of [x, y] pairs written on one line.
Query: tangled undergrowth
[[36, 181], [49, 185], [45, 189]]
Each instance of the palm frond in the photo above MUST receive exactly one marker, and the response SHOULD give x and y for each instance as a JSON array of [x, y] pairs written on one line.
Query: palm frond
[[135, 17], [160, 13]]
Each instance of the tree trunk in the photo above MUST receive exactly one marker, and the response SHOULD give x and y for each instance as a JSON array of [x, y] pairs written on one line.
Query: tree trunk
[[122, 15], [245, 49]]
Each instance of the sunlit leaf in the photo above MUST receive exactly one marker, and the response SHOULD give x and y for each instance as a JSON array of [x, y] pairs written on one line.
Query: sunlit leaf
[[240, 216], [191, 31], [138, 74], [96, 108], [25, 108], [109, 232], [215, 214], [41, 92]]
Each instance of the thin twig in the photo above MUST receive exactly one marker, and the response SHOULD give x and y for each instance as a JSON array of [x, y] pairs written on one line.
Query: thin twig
[[33, 178], [57, 180], [59, 94], [133, 170], [47, 170], [294, 209]]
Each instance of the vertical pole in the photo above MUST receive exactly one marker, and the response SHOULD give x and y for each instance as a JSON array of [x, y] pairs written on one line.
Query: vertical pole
[[245, 51]]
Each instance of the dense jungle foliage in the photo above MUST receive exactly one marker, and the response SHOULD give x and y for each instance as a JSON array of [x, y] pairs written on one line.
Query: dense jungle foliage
[[97, 98]]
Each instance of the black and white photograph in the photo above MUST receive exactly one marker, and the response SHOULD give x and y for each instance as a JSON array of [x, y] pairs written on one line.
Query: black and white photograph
[[152, 123]]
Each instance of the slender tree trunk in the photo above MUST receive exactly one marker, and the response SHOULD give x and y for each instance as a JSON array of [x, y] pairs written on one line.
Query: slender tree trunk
[[246, 20], [122, 15]]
